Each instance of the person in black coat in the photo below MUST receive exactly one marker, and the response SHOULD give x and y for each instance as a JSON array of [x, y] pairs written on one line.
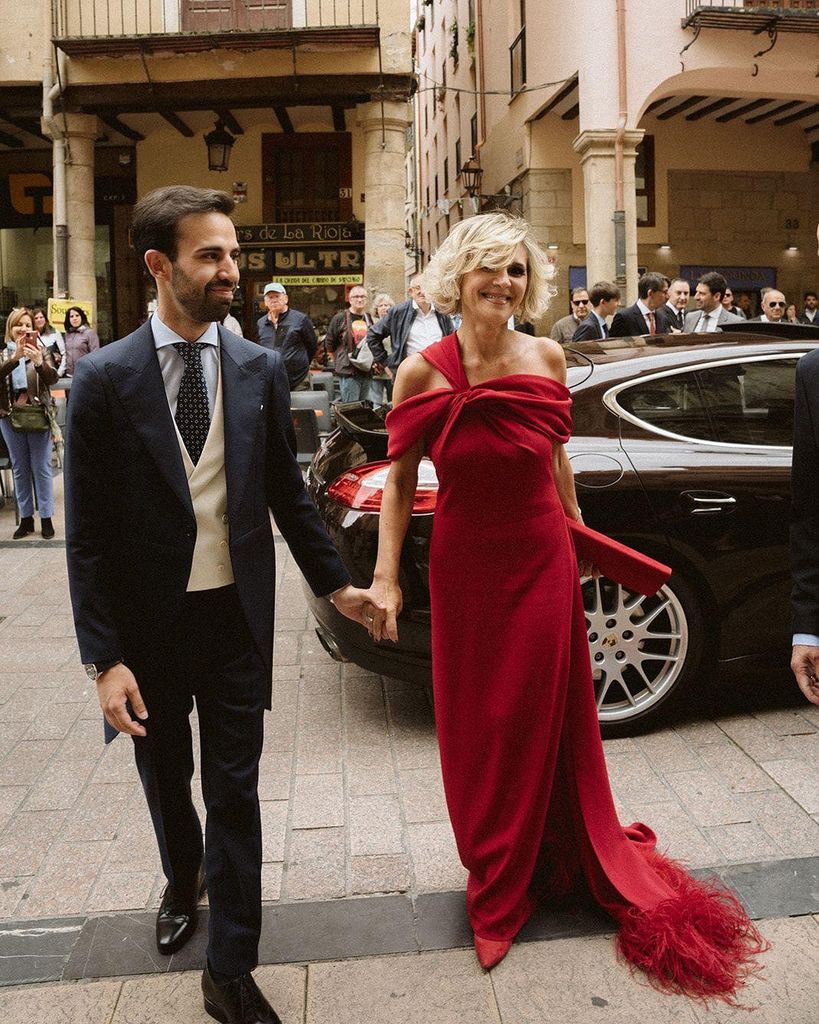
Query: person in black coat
[[181, 446], [605, 298], [804, 532], [290, 332], [636, 320]]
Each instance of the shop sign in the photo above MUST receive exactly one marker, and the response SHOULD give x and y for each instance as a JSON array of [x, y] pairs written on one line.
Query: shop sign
[[304, 260], [25, 200], [739, 278], [57, 309], [279, 234], [291, 281]]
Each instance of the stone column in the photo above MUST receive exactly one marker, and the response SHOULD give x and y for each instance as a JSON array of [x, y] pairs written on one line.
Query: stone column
[[82, 130], [385, 189], [596, 150]]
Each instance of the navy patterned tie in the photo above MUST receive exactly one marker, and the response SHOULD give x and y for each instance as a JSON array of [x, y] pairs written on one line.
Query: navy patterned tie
[[192, 412]]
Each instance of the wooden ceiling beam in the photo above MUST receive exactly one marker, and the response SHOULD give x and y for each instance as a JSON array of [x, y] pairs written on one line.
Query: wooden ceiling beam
[[228, 120], [313, 90], [283, 118], [710, 108], [772, 113], [811, 110], [11, 141], [744, 109], [176, 122], [686, 104], [339, 122], [29, 125], [119, 126]]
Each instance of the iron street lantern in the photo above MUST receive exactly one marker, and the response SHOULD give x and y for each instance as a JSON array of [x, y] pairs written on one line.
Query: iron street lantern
[[471, 173], [219, 143]]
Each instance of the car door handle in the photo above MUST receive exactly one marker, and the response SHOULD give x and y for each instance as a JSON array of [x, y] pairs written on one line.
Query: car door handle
[[708, 502]]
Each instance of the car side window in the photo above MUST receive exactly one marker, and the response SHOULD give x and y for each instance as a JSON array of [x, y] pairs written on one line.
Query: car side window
[[674, 403], [752, 402]]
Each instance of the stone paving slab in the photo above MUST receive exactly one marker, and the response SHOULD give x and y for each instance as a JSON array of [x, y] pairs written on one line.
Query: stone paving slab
[[351, 794], [571, 980]]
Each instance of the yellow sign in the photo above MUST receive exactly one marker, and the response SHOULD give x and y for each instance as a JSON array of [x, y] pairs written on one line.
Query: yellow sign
[[57, 309], [289, 281]]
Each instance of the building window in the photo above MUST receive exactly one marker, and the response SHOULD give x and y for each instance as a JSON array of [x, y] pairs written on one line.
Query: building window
[[517, 55], [307, 177], [473, 131], [437, 193], [457, 158], [446, 175], [644, 182]]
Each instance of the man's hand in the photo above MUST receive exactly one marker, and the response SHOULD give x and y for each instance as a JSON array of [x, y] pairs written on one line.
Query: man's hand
[[114, 687], [805, 666], [356, 604]]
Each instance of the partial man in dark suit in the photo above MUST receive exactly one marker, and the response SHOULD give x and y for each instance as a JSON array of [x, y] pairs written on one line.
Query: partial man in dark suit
[[605, 298], [679, 292], [805, 528], [289, 331], [181, 446], [710, 314], [810, 312], [646, 316]]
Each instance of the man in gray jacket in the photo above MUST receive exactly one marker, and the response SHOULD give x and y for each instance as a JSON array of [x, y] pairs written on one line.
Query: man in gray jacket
[[710, 313]]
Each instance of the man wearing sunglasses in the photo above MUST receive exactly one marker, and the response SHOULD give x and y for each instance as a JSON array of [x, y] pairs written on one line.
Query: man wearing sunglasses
[[773, 307], [563, 330]]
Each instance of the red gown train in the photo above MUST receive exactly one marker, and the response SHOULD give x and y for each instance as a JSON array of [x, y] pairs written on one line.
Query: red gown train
[[522, 760]]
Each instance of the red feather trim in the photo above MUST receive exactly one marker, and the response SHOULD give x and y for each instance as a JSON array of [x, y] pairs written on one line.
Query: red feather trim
[[699, 942]]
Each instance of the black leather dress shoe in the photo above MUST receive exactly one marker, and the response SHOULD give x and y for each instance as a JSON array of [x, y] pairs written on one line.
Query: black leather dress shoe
[[176, 918], [239, 1001]]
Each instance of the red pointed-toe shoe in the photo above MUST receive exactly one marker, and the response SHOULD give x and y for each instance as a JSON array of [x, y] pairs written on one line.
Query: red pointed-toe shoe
[[491, 952]]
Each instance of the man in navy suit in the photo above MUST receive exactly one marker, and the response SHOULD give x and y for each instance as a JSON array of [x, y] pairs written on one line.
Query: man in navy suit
[[181, 446], [647, 315], [605, 298]]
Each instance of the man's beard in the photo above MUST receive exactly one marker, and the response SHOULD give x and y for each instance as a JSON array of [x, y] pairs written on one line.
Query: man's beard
[[201, 306]]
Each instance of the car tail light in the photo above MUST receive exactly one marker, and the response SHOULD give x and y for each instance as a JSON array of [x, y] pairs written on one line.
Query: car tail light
[[363, 488]]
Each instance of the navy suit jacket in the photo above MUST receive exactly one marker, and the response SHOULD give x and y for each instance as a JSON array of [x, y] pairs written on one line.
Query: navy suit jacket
[[588, 329], [130, 524], [630, 322], [804, 540]]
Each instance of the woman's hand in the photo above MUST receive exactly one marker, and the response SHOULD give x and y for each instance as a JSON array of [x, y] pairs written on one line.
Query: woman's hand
[[386, 602], [357, 604]]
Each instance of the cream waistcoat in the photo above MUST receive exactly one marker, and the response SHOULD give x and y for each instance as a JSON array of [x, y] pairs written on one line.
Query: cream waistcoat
[[211, 566]]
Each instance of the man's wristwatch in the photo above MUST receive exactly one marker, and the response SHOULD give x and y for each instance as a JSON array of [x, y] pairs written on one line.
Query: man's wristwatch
[[95, 669]]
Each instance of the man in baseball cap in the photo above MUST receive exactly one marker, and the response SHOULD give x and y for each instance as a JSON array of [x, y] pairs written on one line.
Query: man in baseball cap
[[289, 331]]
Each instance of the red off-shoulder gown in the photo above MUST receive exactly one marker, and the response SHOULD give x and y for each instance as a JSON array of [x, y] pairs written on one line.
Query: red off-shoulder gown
[[522, 760]]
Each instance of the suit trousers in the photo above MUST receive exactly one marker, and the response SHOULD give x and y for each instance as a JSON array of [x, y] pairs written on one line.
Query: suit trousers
[[207, 658]]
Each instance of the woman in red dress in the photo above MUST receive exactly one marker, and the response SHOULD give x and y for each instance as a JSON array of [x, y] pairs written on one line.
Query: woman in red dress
[[521, 756]]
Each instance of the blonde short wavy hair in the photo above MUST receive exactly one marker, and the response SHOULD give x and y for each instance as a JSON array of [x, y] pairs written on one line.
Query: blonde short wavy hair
[[489, 240]]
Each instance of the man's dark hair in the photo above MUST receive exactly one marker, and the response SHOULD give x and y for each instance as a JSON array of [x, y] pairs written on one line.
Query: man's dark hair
[[580, 288], [810, 292], [157, 215], [650, 282], [714, 282], [603, 291], [682, 280]]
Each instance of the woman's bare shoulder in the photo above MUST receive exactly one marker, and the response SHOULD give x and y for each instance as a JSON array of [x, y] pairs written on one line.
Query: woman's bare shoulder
[[415, 376], [551, 357]]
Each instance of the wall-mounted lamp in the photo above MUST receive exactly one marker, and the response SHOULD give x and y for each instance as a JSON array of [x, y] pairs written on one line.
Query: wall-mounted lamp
[[472, 175], [792, 248], [665, 248], [552, 245], [219, 143]]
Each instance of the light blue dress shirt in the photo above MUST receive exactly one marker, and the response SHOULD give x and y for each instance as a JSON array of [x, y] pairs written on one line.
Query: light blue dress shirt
[[172, 364], [806, 639]]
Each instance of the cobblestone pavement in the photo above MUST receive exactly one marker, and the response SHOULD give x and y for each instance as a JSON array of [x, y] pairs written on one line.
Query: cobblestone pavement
[[351, 791]]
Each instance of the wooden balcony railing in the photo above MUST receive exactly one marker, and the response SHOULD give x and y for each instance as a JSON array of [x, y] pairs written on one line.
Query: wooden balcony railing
[[112, 19]]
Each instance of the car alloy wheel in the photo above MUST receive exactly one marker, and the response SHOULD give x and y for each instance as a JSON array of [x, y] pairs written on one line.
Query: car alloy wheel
[[642, 651]]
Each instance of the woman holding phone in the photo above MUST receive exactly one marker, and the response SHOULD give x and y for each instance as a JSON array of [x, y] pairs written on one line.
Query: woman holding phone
[[26, 372]]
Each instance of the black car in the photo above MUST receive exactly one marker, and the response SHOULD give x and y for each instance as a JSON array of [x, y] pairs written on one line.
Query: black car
[[682, 449]]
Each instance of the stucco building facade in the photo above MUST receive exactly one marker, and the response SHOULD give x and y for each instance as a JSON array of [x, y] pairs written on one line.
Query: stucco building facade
[[669, 113], [103, 100]]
